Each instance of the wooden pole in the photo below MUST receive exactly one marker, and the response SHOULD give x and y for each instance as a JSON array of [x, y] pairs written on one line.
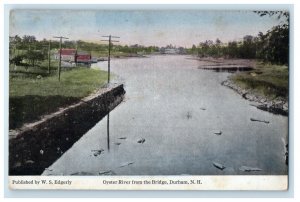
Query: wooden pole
[[109, 51], [59, 64], [49, 48], [109, 47]]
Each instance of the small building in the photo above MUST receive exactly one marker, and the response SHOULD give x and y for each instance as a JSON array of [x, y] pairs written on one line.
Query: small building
[[68, 55], [74, 56], [83, 57]]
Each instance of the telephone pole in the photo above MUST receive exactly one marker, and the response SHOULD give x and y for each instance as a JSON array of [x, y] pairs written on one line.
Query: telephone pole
[[49, 50], [109, 49], [60, 42]]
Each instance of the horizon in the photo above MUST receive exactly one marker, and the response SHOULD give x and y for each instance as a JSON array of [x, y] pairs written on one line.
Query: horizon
[[144, 27]]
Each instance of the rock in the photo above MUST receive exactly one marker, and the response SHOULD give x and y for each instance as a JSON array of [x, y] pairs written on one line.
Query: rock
[[263, 121], [219, 166], [108, 172], [29, 162], [141, 141], [126, 164], [18, 164], [83, 173], [249, 169], [98, 152], [285, 106], [218, 132]]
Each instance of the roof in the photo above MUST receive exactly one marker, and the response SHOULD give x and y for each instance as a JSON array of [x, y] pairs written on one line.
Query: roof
[[83, 53], [67, 51]]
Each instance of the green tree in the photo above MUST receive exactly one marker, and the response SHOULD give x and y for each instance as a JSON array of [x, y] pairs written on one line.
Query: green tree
[[274, 45], [32, 56]]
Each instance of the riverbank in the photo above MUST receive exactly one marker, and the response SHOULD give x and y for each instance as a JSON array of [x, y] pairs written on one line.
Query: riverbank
[[228, 65], [266, 86], [35, 146], [33, 95]]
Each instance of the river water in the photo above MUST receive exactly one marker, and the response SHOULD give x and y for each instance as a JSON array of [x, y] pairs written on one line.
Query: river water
[[177, 109]]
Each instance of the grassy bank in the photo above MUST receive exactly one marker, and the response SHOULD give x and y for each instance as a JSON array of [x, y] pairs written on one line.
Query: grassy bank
[[33, 96], [266, 79]]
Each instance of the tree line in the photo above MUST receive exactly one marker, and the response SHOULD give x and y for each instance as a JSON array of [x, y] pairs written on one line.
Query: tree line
[[29, 48], [273, 46]]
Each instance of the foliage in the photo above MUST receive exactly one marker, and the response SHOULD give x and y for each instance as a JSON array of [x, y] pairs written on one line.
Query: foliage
[[17, 60], [33, 56]]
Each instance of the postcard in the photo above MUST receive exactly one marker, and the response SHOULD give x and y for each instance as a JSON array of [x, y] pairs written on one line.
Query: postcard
[[149, 99]]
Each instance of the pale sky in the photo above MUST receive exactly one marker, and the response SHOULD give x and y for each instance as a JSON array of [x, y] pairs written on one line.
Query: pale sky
[[144, 27]]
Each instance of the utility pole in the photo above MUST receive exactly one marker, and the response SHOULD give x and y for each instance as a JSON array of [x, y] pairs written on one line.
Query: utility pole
[[109, 49], [49, 49], [60, 42], [76, 53]]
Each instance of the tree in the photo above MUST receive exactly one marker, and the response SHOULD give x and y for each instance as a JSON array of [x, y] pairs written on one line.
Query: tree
[[28, 39], [248, 47], [33, 56], [274, 45], [16, 60], [232, 49]]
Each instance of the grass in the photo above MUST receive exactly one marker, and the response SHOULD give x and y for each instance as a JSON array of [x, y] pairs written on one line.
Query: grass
[[25, 70], [30, 96], [268, 80]]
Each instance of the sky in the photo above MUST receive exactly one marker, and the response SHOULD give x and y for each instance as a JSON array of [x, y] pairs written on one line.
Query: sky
[[144, 27]]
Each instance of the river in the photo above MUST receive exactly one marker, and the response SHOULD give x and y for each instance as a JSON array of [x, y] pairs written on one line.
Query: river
[[177, 109]]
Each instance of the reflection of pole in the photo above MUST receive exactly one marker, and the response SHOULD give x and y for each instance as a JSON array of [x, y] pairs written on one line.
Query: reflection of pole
[[107, 131], [109, 49], [59, 65]]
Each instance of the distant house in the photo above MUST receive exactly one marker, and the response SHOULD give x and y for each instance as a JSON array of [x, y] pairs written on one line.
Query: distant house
[[83, 57], [68, 55], [74, 56], [171, 51]]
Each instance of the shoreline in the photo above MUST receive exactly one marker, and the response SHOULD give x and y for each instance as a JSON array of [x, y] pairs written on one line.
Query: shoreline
[[275, 106], [35, 146]]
